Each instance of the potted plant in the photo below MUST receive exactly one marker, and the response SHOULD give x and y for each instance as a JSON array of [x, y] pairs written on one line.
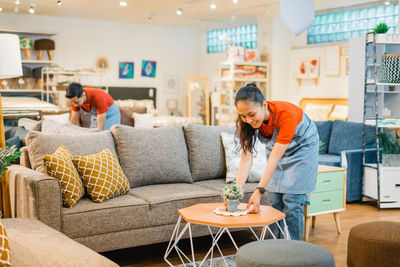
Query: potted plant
[[390, 147], [380, 30], [232, 193], [7, 156]]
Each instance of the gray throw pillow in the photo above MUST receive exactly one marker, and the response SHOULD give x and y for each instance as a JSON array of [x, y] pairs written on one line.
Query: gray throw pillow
[[206, 153], [152, 155], [40, 144]]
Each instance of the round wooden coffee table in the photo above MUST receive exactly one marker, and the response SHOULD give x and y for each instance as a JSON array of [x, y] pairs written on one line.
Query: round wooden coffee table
[[203, 214]]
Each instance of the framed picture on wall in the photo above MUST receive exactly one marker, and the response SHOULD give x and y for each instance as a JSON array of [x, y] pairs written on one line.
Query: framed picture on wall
[[332, 60], [126, 70], [149, 68]]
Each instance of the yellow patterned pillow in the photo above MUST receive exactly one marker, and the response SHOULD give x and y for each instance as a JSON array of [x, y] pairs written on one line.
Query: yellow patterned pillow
[[102, 175], [60, 166], [5, 259]]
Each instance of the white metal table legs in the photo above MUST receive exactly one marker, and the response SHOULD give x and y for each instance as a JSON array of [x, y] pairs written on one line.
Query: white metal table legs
[[177, 236]]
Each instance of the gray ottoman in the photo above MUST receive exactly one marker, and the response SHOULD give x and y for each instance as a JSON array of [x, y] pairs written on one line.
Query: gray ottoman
[[283, 253]]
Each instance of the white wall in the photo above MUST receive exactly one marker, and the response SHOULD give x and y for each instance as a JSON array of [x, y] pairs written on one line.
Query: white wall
[[80, 42]]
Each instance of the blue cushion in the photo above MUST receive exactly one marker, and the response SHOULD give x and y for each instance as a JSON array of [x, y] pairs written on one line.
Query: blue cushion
[[14, 141], [329, 159], [348, 135], [324, 131], [11, 131]]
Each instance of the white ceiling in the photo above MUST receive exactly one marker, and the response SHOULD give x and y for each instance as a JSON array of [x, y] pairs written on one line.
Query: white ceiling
[[162, 12]]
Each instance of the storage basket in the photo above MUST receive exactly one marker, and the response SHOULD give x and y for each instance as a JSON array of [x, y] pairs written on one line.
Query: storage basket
[[389, 71]]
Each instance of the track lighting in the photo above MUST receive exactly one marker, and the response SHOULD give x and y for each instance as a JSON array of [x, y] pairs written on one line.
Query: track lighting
[[31, 10], [17, 2], [235, 1], [213, 5], [123, 3], [179, 11], [1, 9], [149, 19], [59, 2], [387, 3]]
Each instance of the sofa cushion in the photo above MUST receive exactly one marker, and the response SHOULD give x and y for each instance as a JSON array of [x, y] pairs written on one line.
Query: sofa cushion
[[30, 125], [35, 244], [53, 127], [126, 114], [348, 135], [206, 152], [166, 199], [324, 131], [60, 166], [20, 131], [330, 159], [88, 218], [152, 156], [102, 175], [14, 141], [82, 144]]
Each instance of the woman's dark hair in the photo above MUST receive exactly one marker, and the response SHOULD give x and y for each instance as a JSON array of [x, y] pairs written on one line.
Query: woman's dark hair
[[74, 89], [247, 134]]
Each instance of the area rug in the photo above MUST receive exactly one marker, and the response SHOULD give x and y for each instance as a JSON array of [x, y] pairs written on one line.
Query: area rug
[[217, 262]]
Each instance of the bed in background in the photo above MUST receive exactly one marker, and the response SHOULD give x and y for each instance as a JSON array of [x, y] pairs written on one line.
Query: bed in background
[[17, 107]]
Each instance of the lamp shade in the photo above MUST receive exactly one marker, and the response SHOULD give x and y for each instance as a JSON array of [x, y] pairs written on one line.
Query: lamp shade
[[10, 56]]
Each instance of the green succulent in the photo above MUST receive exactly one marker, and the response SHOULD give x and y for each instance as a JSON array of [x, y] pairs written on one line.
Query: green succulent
[[232, 191], [7, 156], [381, 28]]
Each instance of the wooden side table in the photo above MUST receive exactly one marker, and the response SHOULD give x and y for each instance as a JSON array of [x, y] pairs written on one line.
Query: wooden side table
[[203, 214], [329, 197]]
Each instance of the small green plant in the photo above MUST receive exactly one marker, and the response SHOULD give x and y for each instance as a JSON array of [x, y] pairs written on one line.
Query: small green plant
[[232, 191], [321, 144], [7, 156], [381, 28], [389, 142]]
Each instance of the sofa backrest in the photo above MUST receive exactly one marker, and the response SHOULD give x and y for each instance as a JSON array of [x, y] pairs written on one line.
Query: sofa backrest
[[53, 127], [348, 135], [152, 155], [40, 144], [324, 131], [30, 125], [206, 152]]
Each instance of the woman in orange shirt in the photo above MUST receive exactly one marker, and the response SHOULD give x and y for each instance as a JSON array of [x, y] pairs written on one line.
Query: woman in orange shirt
[[291, 141]]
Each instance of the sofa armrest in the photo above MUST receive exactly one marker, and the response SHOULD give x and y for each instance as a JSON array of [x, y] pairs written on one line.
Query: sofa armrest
[[35, 195], [352, 160]]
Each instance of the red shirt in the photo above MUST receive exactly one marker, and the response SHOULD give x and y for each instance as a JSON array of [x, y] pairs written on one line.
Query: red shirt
[[285, 116], [95, 98]]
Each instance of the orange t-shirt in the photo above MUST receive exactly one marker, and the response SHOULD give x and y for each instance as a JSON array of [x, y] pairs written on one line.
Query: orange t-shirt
[[285, 116], [96, 98]]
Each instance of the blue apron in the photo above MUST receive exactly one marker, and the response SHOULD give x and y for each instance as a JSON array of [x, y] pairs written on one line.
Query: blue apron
[[297, 171], [113, 117]]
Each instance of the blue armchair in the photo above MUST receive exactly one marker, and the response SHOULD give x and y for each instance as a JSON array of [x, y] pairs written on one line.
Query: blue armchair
[[342, 147]]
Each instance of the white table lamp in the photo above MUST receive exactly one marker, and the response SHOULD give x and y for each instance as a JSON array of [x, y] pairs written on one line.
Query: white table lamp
[[10, 67]]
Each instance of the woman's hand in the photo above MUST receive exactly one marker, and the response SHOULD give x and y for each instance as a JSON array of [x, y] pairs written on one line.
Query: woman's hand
[[255, 200]]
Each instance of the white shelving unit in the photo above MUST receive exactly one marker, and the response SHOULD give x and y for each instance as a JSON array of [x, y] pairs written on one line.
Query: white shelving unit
[[233, 76], [380, 109], [51, 77]]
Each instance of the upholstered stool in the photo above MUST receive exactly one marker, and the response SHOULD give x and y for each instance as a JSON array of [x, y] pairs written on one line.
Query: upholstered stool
[[374, 244], [37, 76], [274, 253], [25, 44], [44, 45], [26, 75]]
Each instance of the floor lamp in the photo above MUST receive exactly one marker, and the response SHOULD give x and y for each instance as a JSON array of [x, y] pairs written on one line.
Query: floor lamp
[[10, 67]]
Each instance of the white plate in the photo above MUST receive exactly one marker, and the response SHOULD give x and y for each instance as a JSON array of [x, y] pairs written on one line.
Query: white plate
[[222, 211]]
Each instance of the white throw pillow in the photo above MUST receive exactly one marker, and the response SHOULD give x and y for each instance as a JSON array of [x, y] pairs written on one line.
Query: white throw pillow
[[232, 159], [143, 120], [318, 112], [339, 112], [60, 118]]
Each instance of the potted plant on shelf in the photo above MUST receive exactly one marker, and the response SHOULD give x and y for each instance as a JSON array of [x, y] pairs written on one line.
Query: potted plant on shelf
[[380, 31], [390, 147], [232, 193]]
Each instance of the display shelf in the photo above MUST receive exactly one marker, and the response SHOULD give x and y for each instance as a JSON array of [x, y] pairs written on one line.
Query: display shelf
[[37, 61], [27, 32]]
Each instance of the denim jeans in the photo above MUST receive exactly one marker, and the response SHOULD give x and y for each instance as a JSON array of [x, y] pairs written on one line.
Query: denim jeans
[[113, 117], [292, 206]]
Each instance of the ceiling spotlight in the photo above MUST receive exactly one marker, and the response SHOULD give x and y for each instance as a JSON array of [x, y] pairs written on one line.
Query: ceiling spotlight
[[213, 5], [179, 11], [235, 1], [59, 2], [31, 10], [123, 3], [17, 2], [149, 19], [387, 3]]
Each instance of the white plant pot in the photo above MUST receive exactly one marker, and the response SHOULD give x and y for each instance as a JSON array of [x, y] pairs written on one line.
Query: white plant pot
[[381, 38]]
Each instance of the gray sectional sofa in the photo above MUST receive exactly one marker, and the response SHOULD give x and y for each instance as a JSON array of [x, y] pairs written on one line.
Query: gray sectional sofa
[[168, 168]]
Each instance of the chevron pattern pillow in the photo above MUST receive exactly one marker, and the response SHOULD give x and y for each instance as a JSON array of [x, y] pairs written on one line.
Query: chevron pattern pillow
[[102, 175], [60, 166]]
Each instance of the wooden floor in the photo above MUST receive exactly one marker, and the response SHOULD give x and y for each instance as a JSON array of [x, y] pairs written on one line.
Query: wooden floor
[[323, 235]]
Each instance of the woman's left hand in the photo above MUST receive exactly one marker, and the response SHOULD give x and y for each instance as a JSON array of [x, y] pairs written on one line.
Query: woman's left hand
[[255, 200]]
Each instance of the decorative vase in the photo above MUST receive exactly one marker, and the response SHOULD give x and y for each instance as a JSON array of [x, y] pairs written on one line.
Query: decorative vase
[[232, 204]]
